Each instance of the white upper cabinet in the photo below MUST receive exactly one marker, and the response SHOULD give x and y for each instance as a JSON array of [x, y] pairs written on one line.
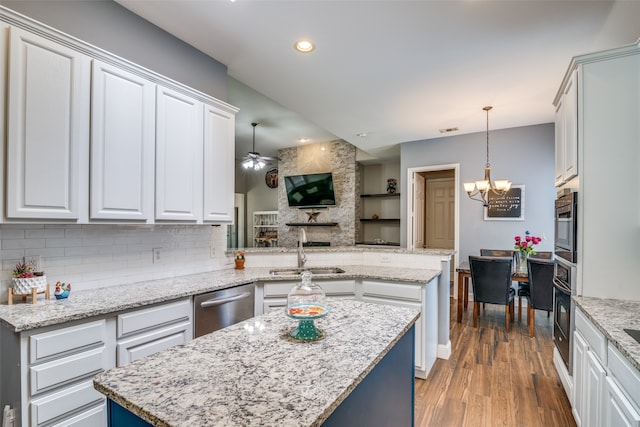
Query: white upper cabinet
[[48, 129], [179, 145], [122, 144], [567, 132], [93, 138], [219, 164]]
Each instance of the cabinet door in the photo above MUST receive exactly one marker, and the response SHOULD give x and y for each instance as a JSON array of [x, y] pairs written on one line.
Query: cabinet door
[[4, 58], [219, 164], [594, 386], [122, 144], [48, 128], [580, 349], [179, 136], [570, 155], [618, 410], [560, 143]]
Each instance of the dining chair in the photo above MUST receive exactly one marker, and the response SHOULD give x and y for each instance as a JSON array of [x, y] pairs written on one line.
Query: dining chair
[[516, 262], [542, 255], [501, 253], [540, 289], [491, 282], [523, 287]]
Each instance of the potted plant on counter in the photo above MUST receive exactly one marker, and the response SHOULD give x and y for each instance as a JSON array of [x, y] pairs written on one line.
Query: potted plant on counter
[[25, 279]]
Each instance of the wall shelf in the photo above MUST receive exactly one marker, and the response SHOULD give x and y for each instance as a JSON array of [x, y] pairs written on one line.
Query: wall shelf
[[381, 195], [311, 224], [380, 220]]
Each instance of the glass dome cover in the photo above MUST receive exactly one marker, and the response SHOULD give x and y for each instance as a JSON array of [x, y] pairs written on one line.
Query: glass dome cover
[[306, 301]]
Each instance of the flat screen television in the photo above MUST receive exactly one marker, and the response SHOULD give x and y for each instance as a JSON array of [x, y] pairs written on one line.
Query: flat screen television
[[310, 190]]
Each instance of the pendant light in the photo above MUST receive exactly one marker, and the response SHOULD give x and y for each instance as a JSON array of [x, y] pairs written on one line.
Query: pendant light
[[479, 190]]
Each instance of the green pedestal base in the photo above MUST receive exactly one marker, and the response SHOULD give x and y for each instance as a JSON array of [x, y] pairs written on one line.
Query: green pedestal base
[[306, 331]]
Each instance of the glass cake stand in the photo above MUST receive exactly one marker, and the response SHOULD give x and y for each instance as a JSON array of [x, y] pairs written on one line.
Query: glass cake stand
[[306, 314]]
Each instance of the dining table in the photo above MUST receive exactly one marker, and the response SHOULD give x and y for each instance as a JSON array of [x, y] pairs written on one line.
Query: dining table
[[519, 275]]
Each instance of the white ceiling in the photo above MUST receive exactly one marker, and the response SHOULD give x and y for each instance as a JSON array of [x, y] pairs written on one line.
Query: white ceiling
[[397, 70]]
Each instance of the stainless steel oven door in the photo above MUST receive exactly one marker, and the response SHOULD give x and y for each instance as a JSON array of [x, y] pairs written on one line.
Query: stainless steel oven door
[[565, 227], [562, 322]]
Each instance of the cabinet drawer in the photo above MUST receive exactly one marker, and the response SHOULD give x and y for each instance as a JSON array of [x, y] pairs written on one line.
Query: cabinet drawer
[[56, 405], [157, 340], [330, 287], [94, 417], [595, 339], [137, 321], [61, 371], [344, 287], [625, 374], [278, 289], [392, 290], [57, 343]]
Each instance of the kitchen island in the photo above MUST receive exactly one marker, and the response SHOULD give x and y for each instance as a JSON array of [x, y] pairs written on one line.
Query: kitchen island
[[252, 373]]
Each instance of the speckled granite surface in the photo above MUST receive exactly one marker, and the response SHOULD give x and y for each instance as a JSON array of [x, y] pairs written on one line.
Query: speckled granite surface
[[357, 248], [85, 304], [611, 317], [250, 374]]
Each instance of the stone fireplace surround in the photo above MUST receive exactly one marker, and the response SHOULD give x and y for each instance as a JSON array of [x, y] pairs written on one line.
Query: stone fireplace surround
[[338, 157]]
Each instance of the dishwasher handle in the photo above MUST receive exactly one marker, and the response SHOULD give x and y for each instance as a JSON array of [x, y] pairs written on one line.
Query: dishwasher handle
[[214, 302]]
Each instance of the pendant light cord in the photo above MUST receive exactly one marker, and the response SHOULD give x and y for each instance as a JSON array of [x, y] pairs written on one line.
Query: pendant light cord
[[487, 110]]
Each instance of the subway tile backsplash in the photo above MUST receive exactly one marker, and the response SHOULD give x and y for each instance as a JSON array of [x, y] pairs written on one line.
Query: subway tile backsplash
[[97, 256]]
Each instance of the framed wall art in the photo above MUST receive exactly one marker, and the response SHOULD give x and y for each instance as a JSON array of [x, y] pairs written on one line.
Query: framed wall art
[[509, 207], [271, 178]]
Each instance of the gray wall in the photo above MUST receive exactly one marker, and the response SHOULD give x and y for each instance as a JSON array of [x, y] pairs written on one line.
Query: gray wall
[[109, 26], [523, 155]]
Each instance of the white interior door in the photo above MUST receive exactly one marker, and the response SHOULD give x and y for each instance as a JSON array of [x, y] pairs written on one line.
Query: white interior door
[[418, 206], [440, 213]]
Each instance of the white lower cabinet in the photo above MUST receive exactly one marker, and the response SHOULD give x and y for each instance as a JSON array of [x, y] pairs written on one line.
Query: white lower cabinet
[[150, 330], [47, 373], [60, 365], [588, 372], [423, 297], [622, 392], [606, 386], [273, 295]]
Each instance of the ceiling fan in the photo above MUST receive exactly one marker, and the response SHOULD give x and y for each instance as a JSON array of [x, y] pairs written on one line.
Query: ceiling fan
[[253, 160]]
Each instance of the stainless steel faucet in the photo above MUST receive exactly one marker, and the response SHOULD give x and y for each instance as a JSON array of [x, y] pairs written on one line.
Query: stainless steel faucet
[[302, 238]]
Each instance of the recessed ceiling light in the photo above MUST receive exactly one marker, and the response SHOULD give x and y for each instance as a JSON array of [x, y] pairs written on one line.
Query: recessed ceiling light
[[362, 134], [304, 46]]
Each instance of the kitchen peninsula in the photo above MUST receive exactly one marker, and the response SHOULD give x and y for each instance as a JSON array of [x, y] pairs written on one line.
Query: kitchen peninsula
[[252, 373]]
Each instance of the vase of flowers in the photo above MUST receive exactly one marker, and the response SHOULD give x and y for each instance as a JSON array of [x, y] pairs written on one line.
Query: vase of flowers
[[525, 247]]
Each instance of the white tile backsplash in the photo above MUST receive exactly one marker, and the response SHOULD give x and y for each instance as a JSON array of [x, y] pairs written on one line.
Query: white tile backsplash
[[96, 256]]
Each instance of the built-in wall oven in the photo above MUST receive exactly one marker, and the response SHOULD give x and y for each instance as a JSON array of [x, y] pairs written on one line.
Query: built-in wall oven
[[566, 231], [564, 278], [563, 309]]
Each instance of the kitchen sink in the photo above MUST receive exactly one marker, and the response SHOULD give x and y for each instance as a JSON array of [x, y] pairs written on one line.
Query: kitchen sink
[[635, 334], [313, 270]]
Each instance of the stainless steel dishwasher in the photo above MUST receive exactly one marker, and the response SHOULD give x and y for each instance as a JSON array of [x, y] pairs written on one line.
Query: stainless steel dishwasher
[[219, 309]]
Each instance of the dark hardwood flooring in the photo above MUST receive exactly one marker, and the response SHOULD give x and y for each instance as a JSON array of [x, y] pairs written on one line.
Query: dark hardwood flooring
[[494, 378]]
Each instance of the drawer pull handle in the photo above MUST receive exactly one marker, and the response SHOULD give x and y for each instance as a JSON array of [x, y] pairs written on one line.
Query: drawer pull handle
[[219, 301]]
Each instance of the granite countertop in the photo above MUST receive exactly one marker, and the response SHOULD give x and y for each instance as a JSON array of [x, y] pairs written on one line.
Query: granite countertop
[[611, 317], [252, 374], [90, 303], [337, 249]]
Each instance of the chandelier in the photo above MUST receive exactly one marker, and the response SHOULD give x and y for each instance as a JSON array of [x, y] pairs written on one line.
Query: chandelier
[[479, 190]]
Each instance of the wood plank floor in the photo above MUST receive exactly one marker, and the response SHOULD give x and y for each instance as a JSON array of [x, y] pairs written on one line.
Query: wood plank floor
[[493, 378]]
